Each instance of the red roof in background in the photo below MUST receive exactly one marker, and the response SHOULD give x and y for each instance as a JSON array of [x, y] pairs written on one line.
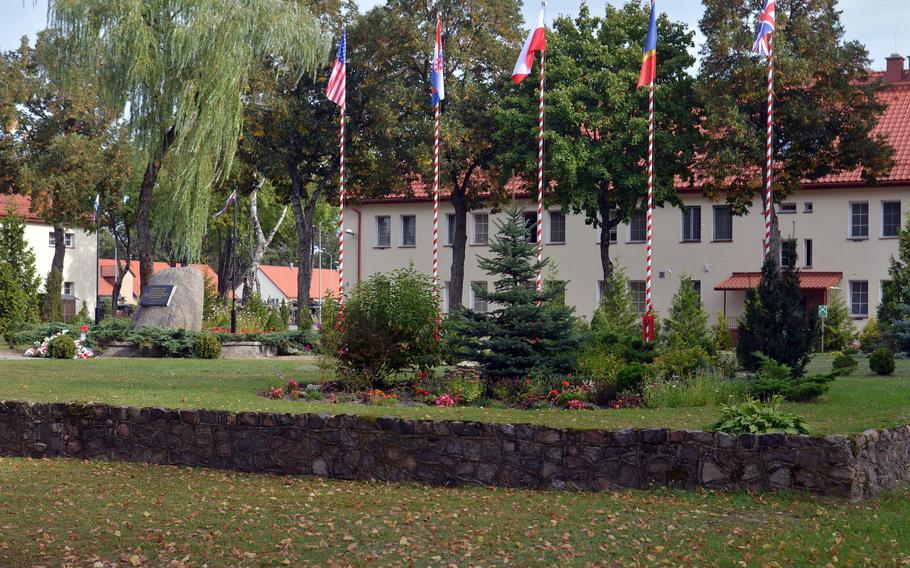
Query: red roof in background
[[807, 281], [285, 278], [106, 272], [895, 125], [21, 205]]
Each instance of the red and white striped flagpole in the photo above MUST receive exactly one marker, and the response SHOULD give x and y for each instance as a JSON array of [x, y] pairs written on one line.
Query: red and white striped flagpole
[[770, 163], [540, 177], [436, 203], [341, 204], [649, 305]]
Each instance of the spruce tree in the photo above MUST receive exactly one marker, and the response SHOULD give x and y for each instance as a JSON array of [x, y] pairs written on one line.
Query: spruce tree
[[18, 281], [775, 323], [687, 323], [616, 317], [839, 330], [896, 292], [525, 332]]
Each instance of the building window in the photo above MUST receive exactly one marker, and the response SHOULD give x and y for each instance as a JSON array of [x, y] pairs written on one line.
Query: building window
[[479, 304], [614, 231], [69, 289], [481, 228], [808, 255], [788, 253], [637, 291], [691, 224], [696, 285], [723, 223], [446, 300], [409, 230], [600, 292], [891, 218], [69, 240], [808, 207], [859, 220], [859, 298], [557, 227], [450, 229], [531, 225], [638, 227], [383, 231], [787, 208]]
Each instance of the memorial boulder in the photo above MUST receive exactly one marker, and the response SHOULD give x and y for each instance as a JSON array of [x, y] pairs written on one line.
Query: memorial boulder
[[172, 300]]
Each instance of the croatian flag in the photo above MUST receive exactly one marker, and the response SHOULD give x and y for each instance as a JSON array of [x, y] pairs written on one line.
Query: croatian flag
[[230, 199], [649, 59], [537, 41], [762, 44], [436, 77], [337, 81]]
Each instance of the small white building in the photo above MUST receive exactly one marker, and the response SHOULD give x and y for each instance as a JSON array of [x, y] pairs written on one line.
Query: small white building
[[277, 283], [79, 276]]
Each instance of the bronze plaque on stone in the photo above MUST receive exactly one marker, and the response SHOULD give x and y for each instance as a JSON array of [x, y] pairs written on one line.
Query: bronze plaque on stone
[[157, 295]]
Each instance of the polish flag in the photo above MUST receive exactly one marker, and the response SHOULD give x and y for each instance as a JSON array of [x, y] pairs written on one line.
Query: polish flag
[[537, 41]]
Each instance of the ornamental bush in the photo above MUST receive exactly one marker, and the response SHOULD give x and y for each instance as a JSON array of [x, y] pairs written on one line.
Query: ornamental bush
[[62, 347], [207, 346], [387, 325], [632, 377], [870, 338], [754, 417], [776, 379], [881, 362], [680, 362]]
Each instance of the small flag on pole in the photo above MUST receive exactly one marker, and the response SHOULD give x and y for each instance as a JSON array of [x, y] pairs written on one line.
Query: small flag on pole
[[537, 41], [437, 79], [227, 203], [649, 59], [97, 206], [766, 22], [337, 81]]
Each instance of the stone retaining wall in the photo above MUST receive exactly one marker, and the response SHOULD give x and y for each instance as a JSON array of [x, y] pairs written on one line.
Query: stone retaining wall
[[458, 453]]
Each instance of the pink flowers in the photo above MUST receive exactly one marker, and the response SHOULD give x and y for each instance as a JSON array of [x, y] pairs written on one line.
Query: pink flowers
[[445, 400], [575, 405], [276, 393], [293, 385]]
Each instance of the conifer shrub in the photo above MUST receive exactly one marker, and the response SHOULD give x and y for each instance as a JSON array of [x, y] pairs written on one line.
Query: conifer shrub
[[62, 347], [870, 338], [207, 346], [686, 324], [526, 332], [776, 379], [680, 362], [839, 331], [632, 377], [721, 336], [881, 362], [844, 364]]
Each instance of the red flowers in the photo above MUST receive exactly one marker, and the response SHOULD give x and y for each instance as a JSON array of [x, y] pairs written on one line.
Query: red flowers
[[293, 385], [445, 400], [84, 328], [554, 392], [566, 383]]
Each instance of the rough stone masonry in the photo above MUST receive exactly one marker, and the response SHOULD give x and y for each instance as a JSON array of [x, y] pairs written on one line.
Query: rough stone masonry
[[459, 453]]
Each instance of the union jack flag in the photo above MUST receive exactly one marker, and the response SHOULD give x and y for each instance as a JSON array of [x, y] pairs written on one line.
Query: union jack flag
[[762, 44], [336, 89]]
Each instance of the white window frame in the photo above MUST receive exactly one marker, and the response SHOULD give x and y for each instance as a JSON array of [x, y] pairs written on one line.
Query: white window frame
[[850, 226], [808, 207], [401, 242], [69, 240], [71, 286], [551, 224], [446, 301], [790, 206], [644, 295], [807, 257], [853, 313], [474, 299], [686, 222], [450, 230], [379, 243], [599, 293], [899, 218], [644, 216], [486, 221], [533, 234], [795, 242], [714, 211]]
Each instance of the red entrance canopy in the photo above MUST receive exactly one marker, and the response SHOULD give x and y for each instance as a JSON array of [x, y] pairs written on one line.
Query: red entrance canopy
[[807, 280]]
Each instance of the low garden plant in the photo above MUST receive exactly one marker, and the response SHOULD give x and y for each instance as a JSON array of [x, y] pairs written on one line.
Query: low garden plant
[[776, 379], [704, 388], [755, 417], [881, 362], [844, 363]]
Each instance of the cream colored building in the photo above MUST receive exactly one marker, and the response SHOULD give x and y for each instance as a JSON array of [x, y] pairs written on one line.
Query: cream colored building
[[79, 277], [843, 231]]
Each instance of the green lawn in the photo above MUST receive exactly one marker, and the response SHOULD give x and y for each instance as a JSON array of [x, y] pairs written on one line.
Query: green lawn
[[73, 513], [854, 404]]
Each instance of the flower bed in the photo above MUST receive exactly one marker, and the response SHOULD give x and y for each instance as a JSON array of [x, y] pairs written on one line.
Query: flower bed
[[42, 348]]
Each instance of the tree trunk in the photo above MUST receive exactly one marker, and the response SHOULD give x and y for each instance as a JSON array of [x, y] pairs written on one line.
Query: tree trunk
[[459, 246], [143, 226], [59, 248], [303, 221], [122, 270], [260, 242], [224, 267], [606, 225], [51, 308]]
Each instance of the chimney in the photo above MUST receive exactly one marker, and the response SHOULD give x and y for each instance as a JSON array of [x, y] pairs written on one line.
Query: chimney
[[894, 72]]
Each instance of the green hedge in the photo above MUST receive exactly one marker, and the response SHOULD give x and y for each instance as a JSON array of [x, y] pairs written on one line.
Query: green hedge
[[173, 343]]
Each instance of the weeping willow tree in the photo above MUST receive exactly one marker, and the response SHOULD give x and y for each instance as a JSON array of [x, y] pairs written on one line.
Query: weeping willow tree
[[178, 70]]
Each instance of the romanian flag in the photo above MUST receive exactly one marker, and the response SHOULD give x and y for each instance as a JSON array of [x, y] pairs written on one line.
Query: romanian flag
[[649, 59]]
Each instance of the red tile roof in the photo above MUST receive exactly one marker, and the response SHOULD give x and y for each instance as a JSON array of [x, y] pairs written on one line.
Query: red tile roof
[[285, 278], [21, 205], [106, 272], [807, 280], [895, 126]]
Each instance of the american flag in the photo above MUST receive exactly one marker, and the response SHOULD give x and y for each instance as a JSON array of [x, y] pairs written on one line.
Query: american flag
[[335, 90], [762, 44]]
